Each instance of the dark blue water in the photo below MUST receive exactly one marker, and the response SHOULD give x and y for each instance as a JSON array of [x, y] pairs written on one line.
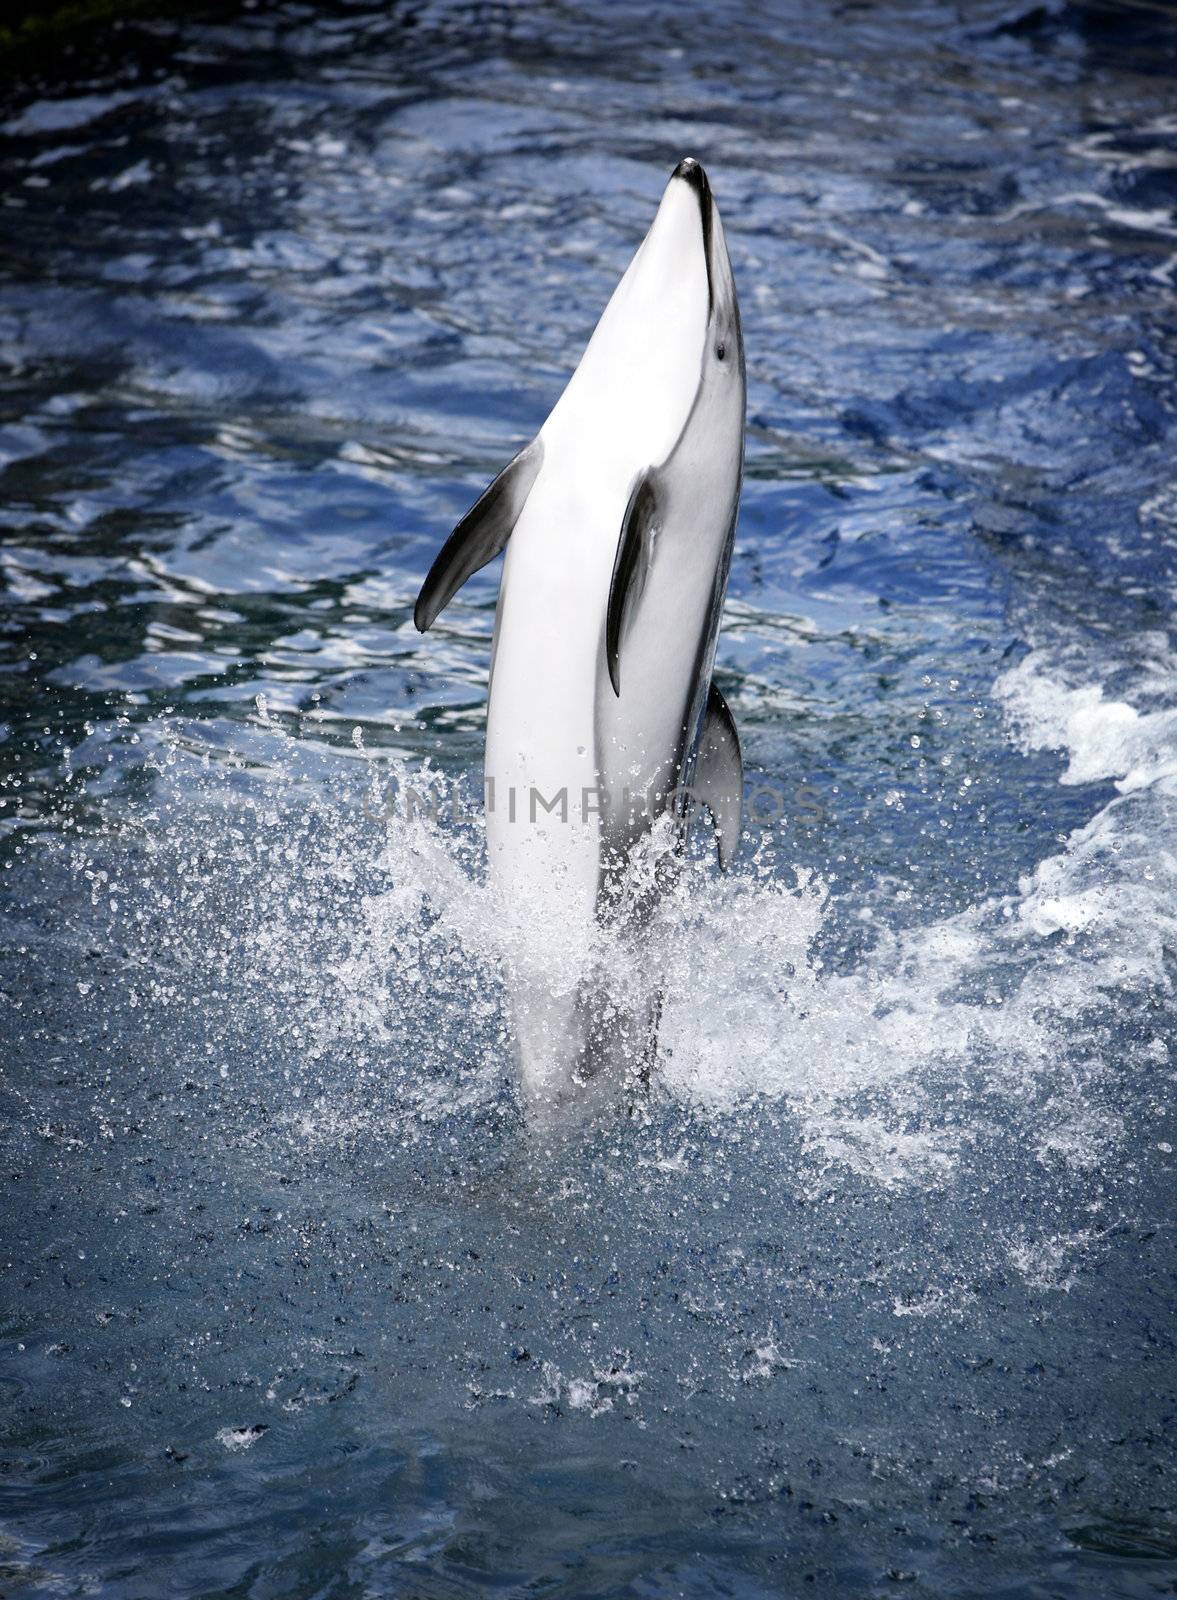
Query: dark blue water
[[880, 1298]]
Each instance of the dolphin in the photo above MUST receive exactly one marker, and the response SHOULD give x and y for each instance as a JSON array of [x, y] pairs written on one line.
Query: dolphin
[[603, 719]]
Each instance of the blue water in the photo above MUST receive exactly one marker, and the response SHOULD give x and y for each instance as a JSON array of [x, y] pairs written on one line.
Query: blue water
[[880, 1297]]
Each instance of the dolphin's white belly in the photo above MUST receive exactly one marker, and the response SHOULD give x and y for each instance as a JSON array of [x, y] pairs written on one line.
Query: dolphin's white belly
[[574, 772], [543, 823]]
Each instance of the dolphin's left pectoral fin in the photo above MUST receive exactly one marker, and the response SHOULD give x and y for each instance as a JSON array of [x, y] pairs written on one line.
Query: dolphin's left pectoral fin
[[719, 775], [481, 535], [630, 566]]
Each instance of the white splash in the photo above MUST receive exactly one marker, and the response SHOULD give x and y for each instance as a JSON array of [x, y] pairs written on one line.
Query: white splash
[[387, 947]]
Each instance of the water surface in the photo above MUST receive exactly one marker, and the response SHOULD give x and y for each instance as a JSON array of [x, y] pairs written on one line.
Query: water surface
[[880, 1298]]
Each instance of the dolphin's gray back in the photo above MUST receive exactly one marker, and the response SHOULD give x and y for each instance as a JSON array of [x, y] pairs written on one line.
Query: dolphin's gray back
[[646, 736]]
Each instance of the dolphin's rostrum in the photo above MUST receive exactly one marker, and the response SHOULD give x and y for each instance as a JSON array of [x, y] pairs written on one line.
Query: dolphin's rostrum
[[617, 520]]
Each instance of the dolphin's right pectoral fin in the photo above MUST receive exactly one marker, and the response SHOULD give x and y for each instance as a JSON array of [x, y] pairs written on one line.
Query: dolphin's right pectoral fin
[[630, 566], [481, 535], [719, 775]]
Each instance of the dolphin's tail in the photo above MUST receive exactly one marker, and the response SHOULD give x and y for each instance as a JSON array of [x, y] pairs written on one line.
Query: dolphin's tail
[[620, 1041], [585, 1054]]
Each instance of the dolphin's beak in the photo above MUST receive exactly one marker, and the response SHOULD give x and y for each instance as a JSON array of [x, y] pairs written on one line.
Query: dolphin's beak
[[690, 172]]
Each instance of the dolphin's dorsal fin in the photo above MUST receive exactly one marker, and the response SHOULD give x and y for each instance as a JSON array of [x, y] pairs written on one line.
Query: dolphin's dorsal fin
[[481, 535], [719, 775], [630, 565]]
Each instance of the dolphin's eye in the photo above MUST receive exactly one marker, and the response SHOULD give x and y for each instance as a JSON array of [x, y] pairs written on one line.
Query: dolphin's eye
[[721, 350]]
